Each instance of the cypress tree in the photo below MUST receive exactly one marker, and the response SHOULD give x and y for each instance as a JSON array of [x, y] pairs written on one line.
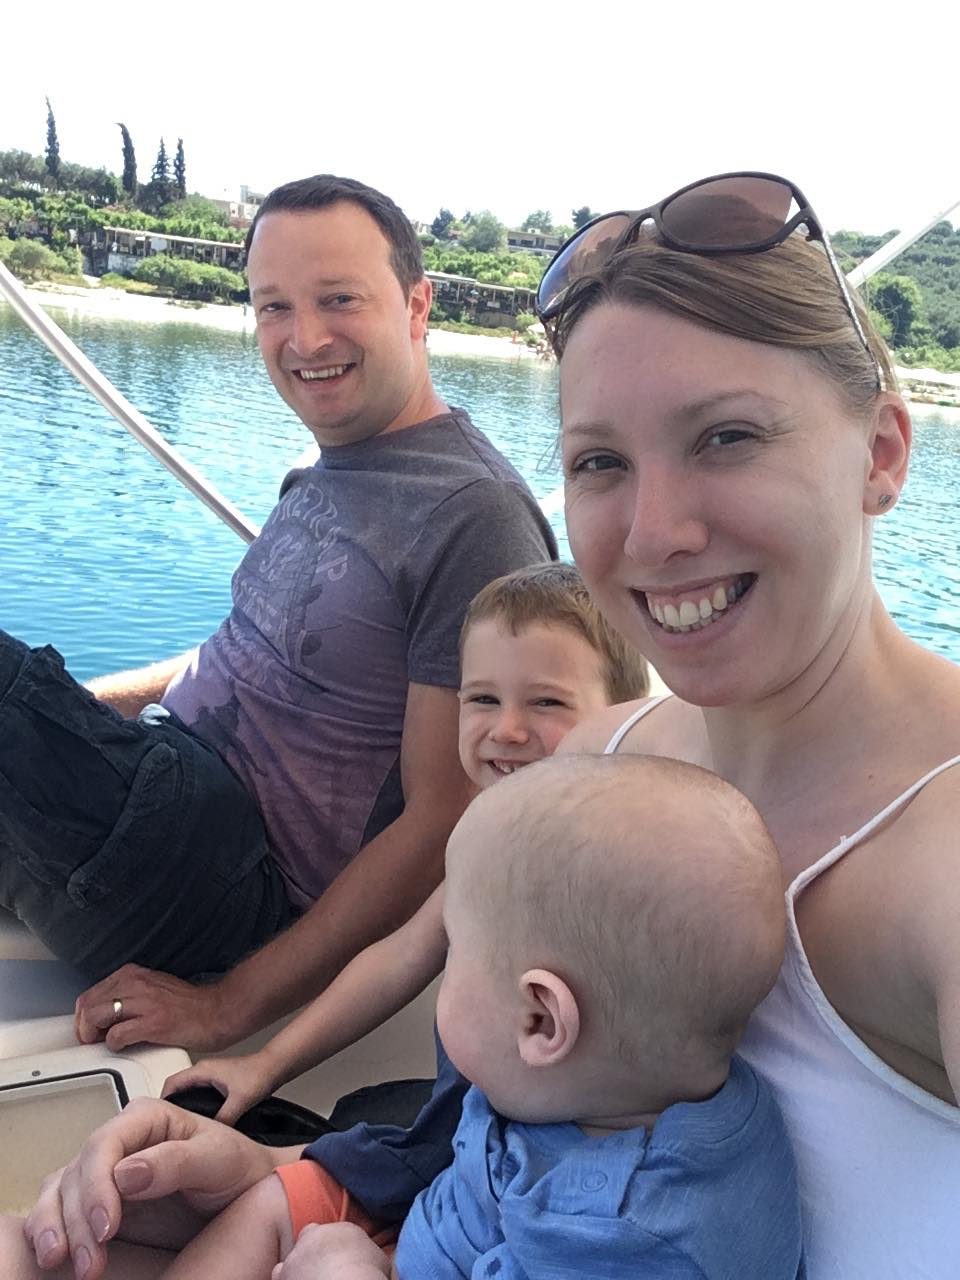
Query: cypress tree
[[161, 168], [129, 179], [53, 146], [180, 172]]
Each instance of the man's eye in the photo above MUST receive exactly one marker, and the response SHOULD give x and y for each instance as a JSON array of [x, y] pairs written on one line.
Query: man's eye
[[343, 299], [596, 462]]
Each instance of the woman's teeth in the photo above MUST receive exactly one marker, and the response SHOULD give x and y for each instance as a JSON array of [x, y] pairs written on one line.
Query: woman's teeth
[[695, 614]]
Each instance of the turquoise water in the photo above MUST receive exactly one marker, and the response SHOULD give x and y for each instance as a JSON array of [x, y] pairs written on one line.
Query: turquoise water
[[105, 555]]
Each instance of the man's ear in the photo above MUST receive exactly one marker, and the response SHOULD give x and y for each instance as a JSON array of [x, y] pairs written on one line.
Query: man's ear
[[421, 298], [551, 1019], [891, 435]]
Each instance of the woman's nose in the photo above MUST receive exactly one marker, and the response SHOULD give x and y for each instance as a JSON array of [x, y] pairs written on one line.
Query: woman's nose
[[667, 519]]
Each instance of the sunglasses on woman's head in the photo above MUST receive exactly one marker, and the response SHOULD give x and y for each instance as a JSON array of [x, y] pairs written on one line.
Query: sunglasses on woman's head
[[728, 213]]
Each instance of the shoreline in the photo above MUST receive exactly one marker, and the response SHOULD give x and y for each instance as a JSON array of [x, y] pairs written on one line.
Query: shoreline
[[117, 304], [930, 387]]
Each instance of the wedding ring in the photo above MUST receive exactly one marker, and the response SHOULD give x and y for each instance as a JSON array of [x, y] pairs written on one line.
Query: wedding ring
[[118, 1011]]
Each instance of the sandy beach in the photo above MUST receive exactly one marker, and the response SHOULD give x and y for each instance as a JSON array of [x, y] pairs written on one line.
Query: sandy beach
[[116, 304]]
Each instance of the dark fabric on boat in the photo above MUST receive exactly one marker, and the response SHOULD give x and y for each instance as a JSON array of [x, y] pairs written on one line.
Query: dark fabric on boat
[[386, 1166], [122, 840]]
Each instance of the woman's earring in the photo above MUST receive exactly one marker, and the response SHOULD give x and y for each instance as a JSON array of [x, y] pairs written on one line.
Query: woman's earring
[[884, 500]]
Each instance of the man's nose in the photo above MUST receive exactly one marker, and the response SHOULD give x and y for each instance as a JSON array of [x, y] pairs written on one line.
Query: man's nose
[[309, 333]]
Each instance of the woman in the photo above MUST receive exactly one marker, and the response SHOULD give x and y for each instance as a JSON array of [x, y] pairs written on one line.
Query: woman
[[730, 432]]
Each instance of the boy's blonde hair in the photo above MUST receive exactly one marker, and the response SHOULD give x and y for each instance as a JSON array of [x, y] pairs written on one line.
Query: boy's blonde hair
[[553, 594]]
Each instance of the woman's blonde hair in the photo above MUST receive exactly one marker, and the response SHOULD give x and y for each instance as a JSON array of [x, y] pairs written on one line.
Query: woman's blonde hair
[[786, 297]]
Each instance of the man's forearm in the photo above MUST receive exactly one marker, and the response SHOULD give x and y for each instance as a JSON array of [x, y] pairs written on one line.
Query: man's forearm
[[383, 886], [130, 691]]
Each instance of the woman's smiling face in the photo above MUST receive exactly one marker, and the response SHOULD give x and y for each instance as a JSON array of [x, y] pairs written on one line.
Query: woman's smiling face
[[715, 495]]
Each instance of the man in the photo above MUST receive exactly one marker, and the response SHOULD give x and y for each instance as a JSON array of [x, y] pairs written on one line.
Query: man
[[305, 757]]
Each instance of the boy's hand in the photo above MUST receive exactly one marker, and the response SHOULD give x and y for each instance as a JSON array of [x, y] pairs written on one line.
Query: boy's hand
[[242, 1081], [338, 1251]]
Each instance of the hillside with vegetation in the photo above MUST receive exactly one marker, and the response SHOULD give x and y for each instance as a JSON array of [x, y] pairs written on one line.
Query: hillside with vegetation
[[918, 299], [47, 205]]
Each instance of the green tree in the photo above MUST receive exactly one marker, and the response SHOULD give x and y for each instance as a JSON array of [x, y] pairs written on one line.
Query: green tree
[[96, 185], [14, 214], [180, 172], [485, 233], [161, 166], [440, 226], [129, 177], [29, 259], [581, 216], [53, 145], [898, 298], [20, 168], [538, 220]]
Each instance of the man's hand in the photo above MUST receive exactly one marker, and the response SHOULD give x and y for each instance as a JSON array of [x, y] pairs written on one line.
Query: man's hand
[[242, 1081], [155, 1008], [153, 1174], [338, 1251]]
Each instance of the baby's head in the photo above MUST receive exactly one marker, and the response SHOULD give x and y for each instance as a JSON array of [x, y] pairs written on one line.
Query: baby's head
[[536, 658], [613, 922]]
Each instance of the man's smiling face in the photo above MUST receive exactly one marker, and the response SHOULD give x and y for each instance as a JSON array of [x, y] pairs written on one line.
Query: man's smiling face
[[342, 343]]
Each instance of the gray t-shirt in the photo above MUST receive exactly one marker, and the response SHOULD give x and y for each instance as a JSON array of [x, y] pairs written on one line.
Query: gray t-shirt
[[356, 586]]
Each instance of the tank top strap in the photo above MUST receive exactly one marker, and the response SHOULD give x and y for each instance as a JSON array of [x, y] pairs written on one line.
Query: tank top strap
[[633, 718], [846, 843]]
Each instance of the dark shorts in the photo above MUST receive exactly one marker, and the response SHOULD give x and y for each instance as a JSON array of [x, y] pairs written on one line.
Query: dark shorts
[[124, 841]]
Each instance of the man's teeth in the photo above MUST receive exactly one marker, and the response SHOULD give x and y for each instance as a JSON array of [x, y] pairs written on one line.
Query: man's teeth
[[694, 615], [315, 375]]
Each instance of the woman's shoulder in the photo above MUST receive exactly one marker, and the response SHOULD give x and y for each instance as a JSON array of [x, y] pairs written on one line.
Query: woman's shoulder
[[593, 736]]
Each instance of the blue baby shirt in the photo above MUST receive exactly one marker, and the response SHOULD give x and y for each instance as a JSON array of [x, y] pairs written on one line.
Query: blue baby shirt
[[710, 1193]]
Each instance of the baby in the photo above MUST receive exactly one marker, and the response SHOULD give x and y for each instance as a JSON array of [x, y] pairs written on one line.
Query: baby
[[612, 922]]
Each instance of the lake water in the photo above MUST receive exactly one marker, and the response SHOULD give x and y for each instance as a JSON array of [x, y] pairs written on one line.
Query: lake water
[[105, 555]]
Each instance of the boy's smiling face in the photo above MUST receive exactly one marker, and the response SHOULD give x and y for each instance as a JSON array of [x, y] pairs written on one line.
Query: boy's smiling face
[[521, 694]]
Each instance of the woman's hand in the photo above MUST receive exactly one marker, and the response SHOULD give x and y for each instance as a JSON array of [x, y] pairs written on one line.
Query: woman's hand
[[153, 1174], [338, 1251], [242, 1081]]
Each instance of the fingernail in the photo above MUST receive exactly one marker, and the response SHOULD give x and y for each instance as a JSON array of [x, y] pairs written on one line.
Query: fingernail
[[81, 1262], [48, 1242], [132, 1176], [99, 1224]]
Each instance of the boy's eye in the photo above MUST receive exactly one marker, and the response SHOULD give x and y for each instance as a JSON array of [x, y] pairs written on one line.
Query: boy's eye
[[549, 702], [483, 699]]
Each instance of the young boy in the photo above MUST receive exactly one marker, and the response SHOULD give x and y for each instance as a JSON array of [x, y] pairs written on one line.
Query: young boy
[[612, 923], [536, 658]]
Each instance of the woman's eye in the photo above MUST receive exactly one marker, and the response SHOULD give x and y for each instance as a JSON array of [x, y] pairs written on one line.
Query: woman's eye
[[724, 436]]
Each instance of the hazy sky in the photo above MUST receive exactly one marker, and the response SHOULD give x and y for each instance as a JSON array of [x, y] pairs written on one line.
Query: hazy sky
[[507, 106]]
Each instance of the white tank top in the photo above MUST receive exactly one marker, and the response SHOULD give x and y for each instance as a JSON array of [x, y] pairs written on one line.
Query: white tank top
[[879, 1158]]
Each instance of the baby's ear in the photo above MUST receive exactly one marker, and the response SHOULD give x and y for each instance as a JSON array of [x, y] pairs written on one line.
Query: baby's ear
[[551, 1019]]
